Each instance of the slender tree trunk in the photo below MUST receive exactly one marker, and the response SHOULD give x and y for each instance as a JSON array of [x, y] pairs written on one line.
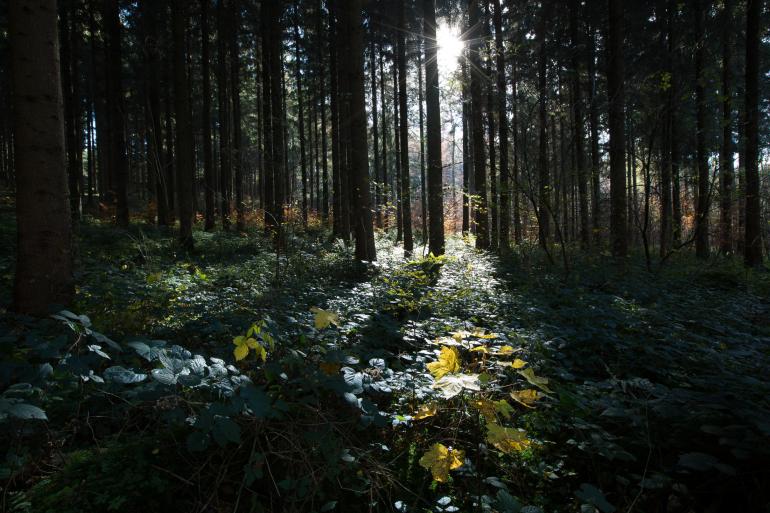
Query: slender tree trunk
[[593, 118], [385, 187], [280, 170], [225, 120], [517, 228], [702, 203], [467, 169], [69, 79], [433, 128], [235, 87], [492, 133], [116, 106], [753, 237], [727, 150], [208, 163], [184, 140], [544, 203], [363, 228], [301, 123], [577, 129], [421, 109], [396, 186], [342, 41], [375, 136], [479, 159], [406, 182], [322, 107], [502, 114], [665, 16], [615, 89], [269, 176], [44, 225], [335, 129]]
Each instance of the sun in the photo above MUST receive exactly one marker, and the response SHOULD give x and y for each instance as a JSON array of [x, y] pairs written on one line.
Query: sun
[[450, 46]]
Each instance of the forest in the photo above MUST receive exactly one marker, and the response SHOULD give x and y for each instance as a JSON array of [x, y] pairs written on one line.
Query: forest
[[502, 256]]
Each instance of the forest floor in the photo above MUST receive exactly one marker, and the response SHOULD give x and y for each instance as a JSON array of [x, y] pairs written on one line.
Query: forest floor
[[608, 388]]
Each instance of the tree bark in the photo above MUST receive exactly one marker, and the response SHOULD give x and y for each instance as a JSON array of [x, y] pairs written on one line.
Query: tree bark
[[544, 203], [435, 177], [577, 129], [185, 166], [225, 120], [726, 158], [615, 89], [502, 114], [406, 182], [363, 228], [208, 164], [753, 237], [44, 225], [479, 157], [702, 201]]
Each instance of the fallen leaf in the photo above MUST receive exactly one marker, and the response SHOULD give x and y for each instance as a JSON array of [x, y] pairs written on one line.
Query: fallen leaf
[[539, 382], [324, 318], [508, 440], [507, 350], [518, 363], [526, 397], [448, 362], [440, 460], [425, 411], [452, 384], [330, 368]]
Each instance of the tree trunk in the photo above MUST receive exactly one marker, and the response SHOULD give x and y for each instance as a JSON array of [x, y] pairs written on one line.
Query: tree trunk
[[615, 89], [335, 129], [479, 157], [235, 88], [44, 226], [363, 228], [577, 129], [702, 200], [502, 114], [375, 136], [185, 165], [301, 124], [753, 238], [544, 203], [433, 128], [225, 120], [208, 163], [268, 183], [492, 133], [421, 110], [384, 185], [726, 158], [118, 161], [406, 182], [593, 117]]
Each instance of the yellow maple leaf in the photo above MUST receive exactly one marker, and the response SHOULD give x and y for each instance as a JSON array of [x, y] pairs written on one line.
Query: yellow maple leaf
[[448, 362], [518, 363], [425, 411], [440, 460], [538, 381], [323, 318], [480, 333], [507, 350], [526, 397], [508, 440]]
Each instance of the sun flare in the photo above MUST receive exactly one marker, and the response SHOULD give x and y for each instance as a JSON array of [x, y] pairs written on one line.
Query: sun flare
[[449, 47]]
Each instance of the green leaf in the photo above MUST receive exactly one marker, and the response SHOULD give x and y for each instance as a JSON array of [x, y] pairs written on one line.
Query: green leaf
[[226, 430], [118, 374], [26, 412], [593, 495]]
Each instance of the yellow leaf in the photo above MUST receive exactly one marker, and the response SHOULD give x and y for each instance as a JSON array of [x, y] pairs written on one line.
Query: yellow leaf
[[324, 318], [261, 353], [486, 408], [440, 460], [460, 335], [508, 440], [539, 382], [239, 340], [252, 343], [480, 349], [526, 397], [518, 363], [425, 411], [507, 350], [448, 362], [240, 352], [480, 333]]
